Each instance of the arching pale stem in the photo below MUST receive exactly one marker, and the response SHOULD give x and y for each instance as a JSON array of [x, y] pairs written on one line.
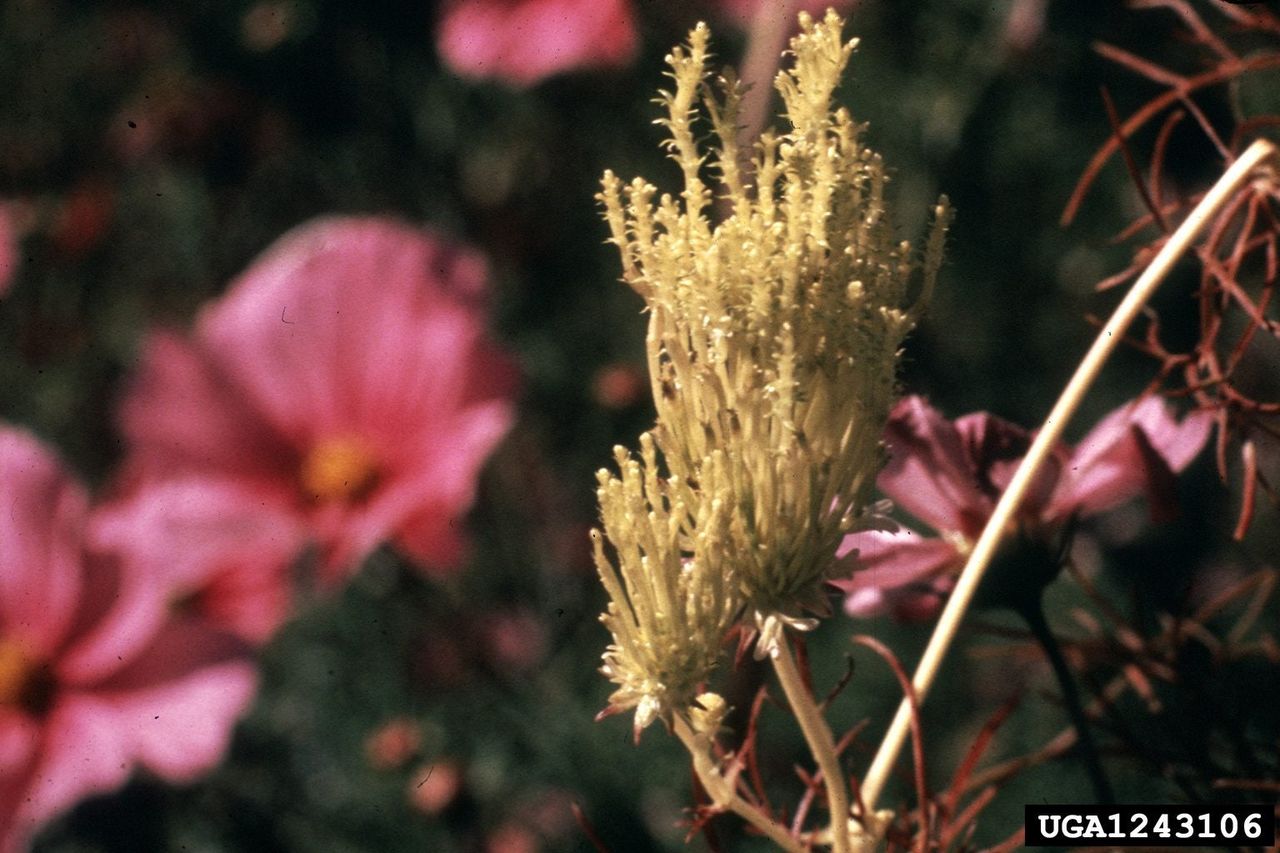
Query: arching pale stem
[[766, 40]]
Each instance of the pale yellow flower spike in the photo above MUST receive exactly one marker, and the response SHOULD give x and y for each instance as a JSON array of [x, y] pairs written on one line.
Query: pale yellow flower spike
[[668, 612], [772, 348]]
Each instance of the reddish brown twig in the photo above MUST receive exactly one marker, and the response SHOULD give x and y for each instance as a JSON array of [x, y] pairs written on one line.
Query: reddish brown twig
[[1239, 256]]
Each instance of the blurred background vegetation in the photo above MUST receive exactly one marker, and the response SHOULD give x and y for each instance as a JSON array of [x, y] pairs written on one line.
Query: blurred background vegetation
[[157, 147]]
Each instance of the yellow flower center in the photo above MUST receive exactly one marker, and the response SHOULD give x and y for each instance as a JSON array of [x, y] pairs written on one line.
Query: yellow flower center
[[24, 683], [338, 469]]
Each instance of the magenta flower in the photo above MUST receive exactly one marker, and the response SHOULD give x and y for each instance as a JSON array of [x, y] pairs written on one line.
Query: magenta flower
[[950, 476], [344, 382], [95, 677], [523, 41]]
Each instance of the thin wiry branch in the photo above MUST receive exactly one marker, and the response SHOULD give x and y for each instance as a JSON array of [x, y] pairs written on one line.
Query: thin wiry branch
[[1237, 255]]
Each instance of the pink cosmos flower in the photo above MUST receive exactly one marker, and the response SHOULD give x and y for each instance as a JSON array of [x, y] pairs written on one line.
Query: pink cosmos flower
[[344, 383], [523, 41], [950, 476], [95, 678]]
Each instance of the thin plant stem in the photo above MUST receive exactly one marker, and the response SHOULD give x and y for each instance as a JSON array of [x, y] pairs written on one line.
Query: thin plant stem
[[723, 793], [766, 39], [999, 523], [1032, 612], [818, 735]]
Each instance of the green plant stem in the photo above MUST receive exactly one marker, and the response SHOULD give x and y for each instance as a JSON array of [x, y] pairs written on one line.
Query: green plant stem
[[1032, 612], [723, 793], [818, 735], [999, 523]]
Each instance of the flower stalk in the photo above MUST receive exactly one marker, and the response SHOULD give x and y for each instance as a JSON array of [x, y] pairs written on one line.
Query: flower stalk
[[722, 786], [822, 745], [1032, 612]]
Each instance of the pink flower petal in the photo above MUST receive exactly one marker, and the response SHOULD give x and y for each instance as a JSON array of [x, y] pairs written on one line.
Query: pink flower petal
[[182, 414], [41, 514], [1112, 465], [421, 369], [181, 728], [120, 612], [346, 322], [1177, 442], [929, 473], [459, 458], [421, 502], [19, 734], [83, 752], [19, 743], [433, 538], [285, 328], [214, 543], [995, 448], [91, 741], [126, 634], [889, 564], [922, 602], [523, 41]]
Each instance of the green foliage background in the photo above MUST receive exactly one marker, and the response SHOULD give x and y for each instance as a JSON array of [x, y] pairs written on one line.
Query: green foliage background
[[352, 112]]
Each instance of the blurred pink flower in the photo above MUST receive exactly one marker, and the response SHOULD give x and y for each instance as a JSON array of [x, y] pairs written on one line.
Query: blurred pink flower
[[9, 249], [392, 744], [227, 556], [619, 385], [512, 838], [514, 640], [950, 476], [95, 678], [434, 787], [523, 41], [345, 382]]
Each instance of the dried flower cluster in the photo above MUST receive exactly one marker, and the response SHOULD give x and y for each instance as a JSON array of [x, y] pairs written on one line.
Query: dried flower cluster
[[772, 349]]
